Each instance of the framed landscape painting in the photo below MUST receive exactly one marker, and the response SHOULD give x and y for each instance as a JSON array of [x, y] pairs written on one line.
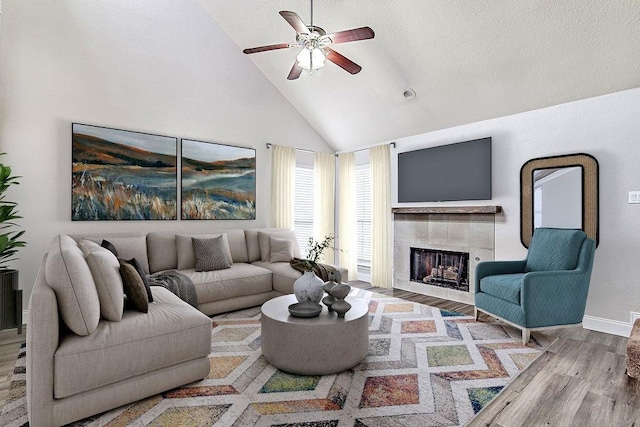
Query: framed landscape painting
[[122, 175], [218, 181]]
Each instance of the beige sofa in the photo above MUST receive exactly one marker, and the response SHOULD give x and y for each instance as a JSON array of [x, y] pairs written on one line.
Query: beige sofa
[[75, 372]]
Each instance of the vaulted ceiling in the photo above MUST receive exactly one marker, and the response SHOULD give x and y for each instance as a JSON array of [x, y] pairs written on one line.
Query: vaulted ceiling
[[467, 60]]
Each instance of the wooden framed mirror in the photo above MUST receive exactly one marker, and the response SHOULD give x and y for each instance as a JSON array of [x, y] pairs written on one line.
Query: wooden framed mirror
[[559, 191]]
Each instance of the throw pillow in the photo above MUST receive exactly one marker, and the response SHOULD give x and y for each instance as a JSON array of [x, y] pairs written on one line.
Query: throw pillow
[[69, 276], [186, 255], [134, 262], [108, 245], [281, 250], [265, 246], [210, 254], [134, 287], [105, 268]]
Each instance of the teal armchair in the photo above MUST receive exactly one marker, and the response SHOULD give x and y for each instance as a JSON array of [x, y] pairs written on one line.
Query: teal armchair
[[547, 289]]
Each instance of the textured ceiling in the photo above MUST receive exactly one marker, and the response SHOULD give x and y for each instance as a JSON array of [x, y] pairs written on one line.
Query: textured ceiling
[[467, 60]]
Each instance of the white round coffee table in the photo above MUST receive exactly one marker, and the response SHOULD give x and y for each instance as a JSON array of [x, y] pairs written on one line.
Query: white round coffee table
[[319, 345]]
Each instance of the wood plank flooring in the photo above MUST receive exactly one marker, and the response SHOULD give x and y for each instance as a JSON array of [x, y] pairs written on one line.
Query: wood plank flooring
[[579, 380]]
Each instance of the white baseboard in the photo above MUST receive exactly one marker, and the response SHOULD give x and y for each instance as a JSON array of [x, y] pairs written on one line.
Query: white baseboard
[[608, 326], [634, 317]]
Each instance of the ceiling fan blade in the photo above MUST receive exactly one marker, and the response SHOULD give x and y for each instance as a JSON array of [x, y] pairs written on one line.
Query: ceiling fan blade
[[294, 20], [295, 72], [266, 48], [363, 33], [342, 61]]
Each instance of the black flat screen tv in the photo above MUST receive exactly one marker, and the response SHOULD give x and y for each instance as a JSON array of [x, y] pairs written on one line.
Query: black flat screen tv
[[452, 172]]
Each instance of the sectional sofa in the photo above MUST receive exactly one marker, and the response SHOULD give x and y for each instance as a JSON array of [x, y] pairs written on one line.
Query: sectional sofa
[[80, 364]]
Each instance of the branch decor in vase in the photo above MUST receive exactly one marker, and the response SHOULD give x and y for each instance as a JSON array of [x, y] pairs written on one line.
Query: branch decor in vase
[[308, 287]]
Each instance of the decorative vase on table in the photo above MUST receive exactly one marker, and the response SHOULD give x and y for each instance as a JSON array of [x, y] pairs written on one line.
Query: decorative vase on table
[[308, 287], [330, 284], [340, 292]]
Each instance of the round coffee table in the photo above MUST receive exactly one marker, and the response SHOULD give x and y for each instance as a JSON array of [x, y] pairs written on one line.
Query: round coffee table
[[319, 345]]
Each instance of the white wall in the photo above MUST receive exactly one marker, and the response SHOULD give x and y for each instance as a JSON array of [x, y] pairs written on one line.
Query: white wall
[[607, 127], [157, 66]]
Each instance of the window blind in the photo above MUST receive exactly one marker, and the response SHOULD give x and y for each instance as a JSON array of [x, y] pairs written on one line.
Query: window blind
[[303, 205], [363, 214]]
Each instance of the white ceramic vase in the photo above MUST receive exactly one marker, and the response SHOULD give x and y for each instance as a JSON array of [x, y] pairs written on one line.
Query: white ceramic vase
[[308, 287]]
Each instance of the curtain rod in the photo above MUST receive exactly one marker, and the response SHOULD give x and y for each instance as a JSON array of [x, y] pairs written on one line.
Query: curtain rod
[[393, 144], [269, 145]]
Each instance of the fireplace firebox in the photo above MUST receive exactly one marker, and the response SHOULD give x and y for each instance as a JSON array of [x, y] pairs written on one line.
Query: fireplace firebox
[[447, 269]]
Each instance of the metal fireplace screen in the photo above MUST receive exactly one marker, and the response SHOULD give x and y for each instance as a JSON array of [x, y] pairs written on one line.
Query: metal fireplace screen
[[446, 269]]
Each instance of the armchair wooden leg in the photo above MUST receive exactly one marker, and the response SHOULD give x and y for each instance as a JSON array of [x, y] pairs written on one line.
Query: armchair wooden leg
[[476, 313], [526, 334]]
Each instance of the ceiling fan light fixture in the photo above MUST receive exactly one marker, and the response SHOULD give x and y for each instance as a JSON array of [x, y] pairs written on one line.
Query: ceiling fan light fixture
[[313, 59]]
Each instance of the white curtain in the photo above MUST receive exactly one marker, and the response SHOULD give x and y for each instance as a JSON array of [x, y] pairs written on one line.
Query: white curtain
[[381, 239], [283, 172], [324, 200], [347, 219]]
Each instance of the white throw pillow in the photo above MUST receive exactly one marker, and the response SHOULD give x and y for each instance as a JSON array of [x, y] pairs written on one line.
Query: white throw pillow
[[186, 255], [281, 249], [69, 276], [265, 245], [105, 269]]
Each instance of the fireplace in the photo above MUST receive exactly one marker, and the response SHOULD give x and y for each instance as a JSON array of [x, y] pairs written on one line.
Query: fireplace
[[447, 269]]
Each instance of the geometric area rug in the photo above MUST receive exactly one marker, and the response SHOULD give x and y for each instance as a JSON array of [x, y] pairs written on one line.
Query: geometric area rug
[[425, 367]]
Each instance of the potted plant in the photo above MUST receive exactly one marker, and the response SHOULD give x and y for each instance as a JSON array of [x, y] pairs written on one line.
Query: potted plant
[[9, 244], [308, 287]]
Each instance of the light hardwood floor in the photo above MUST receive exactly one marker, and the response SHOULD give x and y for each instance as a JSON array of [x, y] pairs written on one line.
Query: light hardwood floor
[[579, 380]]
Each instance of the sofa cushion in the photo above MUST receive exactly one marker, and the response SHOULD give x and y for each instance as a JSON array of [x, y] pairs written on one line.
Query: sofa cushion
[[265, 245], [503, 286], [105, 270], [554, 249], [134, 287], [239, 280], [211, 254], [162, 252], [186, 253], [281, 250], [69, 276], [283, 275], [171, 332]]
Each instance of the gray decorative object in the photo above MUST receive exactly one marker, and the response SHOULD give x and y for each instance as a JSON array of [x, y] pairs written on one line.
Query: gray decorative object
[[340, 292], [329, 299], [305, 309], [308, 287]]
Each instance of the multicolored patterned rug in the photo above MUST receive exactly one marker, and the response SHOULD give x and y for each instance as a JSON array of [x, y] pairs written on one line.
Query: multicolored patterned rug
[[426, 367]]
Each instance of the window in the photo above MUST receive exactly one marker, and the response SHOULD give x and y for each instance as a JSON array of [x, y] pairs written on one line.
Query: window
[[303, 205], [363, 214]]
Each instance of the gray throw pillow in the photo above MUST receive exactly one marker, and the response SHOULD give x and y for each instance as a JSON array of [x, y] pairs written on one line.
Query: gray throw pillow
[[210, 254]]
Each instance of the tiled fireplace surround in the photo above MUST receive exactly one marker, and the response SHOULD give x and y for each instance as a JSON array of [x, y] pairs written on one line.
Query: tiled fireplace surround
[[472, 232]]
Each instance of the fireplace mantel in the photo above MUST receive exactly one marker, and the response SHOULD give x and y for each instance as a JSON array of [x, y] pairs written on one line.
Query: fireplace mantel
[[448, 210]]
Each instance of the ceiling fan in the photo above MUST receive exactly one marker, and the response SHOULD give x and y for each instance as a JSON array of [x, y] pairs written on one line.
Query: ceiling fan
[[315, 42]]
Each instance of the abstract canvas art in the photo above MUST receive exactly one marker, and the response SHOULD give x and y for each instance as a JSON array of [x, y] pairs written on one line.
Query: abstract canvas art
[[122, 175], [218, 181]]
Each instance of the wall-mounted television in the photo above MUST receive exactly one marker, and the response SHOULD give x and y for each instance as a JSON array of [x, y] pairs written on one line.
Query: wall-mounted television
[[452, 172]]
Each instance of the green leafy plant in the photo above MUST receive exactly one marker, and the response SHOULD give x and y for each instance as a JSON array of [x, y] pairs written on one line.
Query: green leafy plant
[[9, 240], [316, 248]]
